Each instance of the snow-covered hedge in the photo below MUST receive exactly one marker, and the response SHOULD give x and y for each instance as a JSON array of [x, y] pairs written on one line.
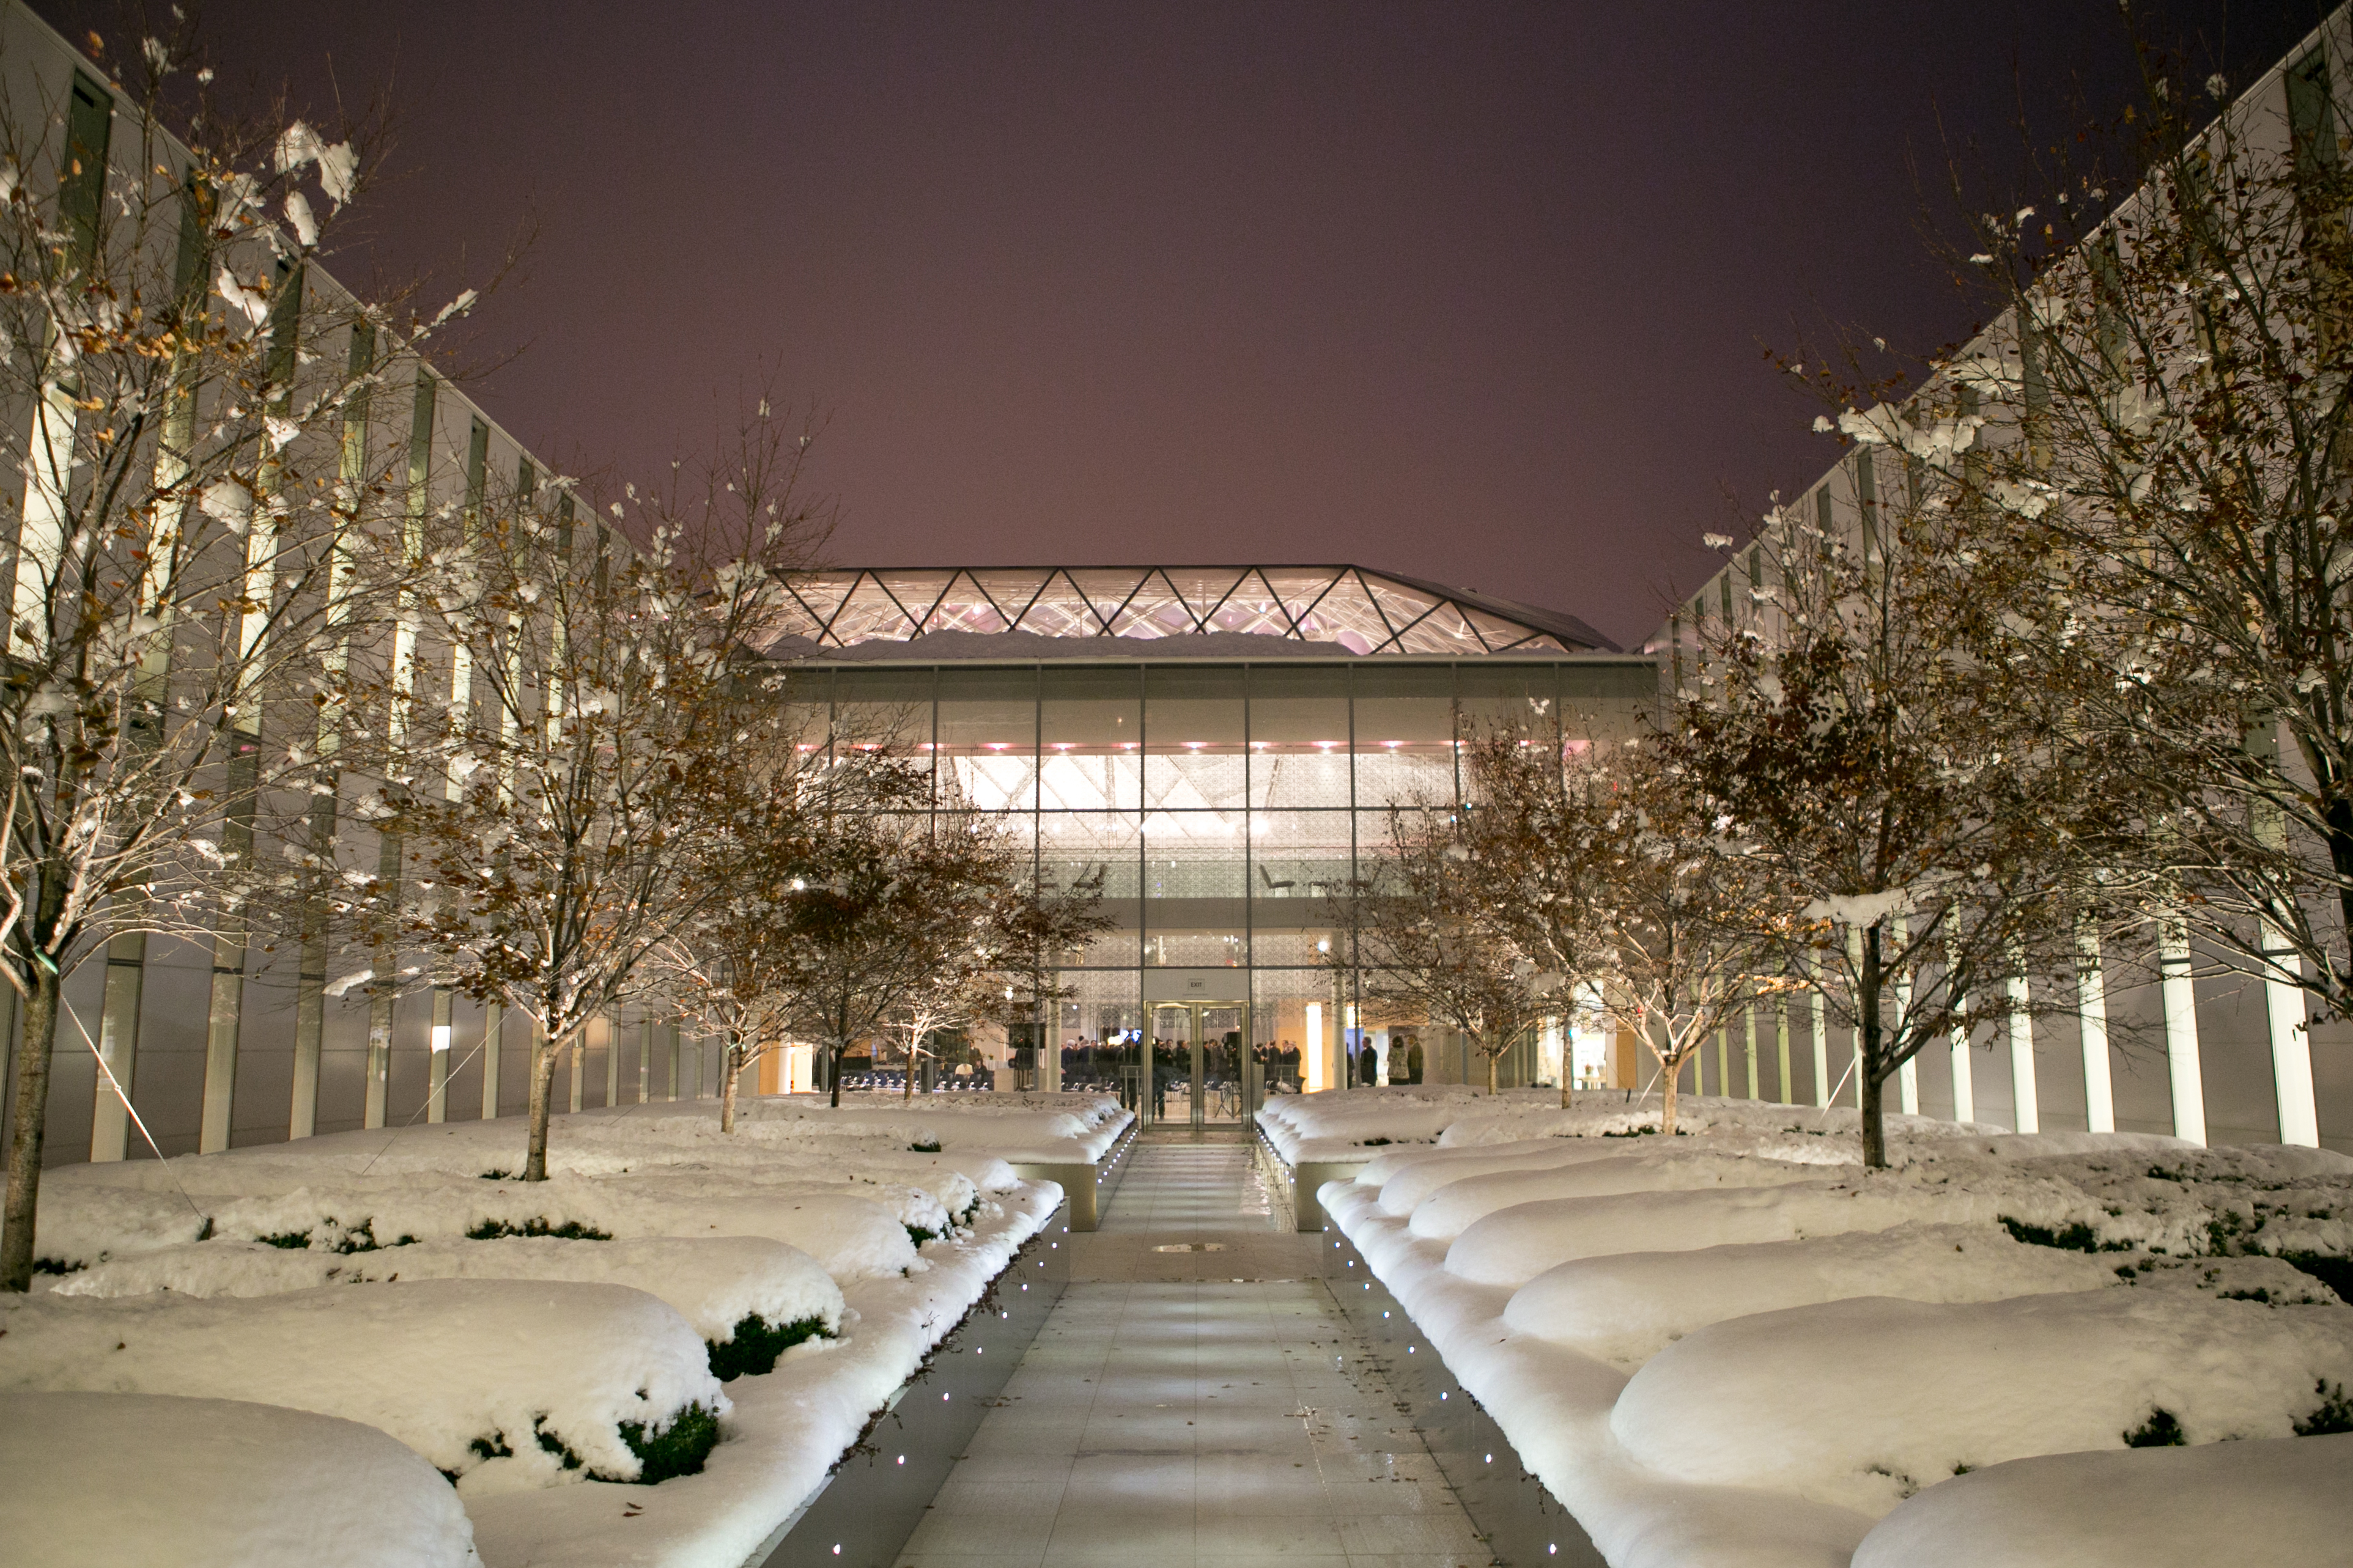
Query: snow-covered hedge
[[499, 1383], [719, 1284], [2134, 1507], [854, 1230], [1865, 1401], [1361, 1122], [1809, 1344], [141, 1478]]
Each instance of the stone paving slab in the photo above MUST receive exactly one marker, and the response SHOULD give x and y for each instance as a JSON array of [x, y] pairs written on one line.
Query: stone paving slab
[[1194, 1398]]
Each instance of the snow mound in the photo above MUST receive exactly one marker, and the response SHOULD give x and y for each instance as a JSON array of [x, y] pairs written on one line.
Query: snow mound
[[459, 1370], [1861, 1403], [712, 1282], [854, 1230], [1627, 1306], [141, 1478], [1513, 1245], [1457, 1205], [2285, 1502]]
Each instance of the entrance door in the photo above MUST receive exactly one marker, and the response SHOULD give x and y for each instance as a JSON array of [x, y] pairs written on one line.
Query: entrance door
[[1203, 1049]]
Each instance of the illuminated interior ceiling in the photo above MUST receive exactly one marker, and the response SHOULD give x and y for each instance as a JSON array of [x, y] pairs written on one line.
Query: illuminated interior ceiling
[[1343, 608]]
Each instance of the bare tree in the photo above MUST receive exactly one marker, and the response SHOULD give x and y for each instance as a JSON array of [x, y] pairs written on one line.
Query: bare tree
[[1431, 936], [2171, 375], [1533, 830], [729, 967], [546, 809], [193, 541], [1687, 920], [1930, 809], [888, 899]]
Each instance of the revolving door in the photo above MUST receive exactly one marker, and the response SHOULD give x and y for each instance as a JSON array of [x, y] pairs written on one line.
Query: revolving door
[[1201, 1064]]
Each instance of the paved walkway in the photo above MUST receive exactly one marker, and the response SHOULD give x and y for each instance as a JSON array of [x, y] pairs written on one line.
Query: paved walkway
[[1194, 1398]]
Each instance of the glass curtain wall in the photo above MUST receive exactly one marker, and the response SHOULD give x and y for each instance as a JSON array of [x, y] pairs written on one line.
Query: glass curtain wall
[[1223, 806]]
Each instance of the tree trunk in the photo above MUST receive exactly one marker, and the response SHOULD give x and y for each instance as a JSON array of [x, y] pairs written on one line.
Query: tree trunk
[[24, 1141], [735, 1059], [1491, 1065], [1669, 1068], [908, 1094], [545, 1050], [1874, 1079], [833, 1054]]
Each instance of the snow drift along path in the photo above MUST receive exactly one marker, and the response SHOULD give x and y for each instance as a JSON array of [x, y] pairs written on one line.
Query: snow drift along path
[[1812, 1346], [787, 1428]]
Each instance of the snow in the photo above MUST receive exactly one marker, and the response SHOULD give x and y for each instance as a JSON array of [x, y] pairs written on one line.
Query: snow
[[1862, 1402], [1738, 1347], [788, 1426], [2134, 1507], [712, 1282], [163, 1479], [1033, 1129], [370, 1299], [438, 1364], [1366, 1124], [1453, 1208], [1627, 1306]]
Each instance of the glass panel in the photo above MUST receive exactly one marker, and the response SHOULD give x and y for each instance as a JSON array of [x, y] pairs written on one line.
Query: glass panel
[[1157, 610], [1299, 737], [1091, 724], [1443, 631], [1059, 615], [1072, 845], [869, 614], [1404, 734], [1253, 608], [1298, 859], [1496, 631], [1105, 592], [883, 708], [963, 609], [1193, 739], [1011, 591], [916, 592], [1202, 590], [1605, 702], [988, 736], [1399, 605], [820, 595], [1100, 1020], [1193, 891], [1299, 591], [1345, 616], [1516, 698]]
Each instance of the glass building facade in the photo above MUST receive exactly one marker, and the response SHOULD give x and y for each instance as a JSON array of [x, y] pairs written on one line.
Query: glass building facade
[[1223, 800]]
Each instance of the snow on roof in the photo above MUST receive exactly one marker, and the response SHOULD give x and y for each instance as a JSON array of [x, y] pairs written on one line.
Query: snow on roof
[[996, 612]]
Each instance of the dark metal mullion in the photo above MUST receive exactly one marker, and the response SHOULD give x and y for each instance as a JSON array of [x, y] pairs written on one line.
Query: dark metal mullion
[[1355, 999], [1249, 892], [1049, 1031]]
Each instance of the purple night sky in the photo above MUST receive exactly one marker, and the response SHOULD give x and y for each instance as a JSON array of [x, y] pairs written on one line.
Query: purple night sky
[[1474, 292]]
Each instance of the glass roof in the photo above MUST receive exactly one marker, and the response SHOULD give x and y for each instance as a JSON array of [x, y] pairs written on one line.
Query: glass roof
[[1348, 608]]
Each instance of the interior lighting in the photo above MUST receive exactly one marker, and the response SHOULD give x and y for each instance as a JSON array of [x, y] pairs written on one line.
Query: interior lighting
[[440, 1038]]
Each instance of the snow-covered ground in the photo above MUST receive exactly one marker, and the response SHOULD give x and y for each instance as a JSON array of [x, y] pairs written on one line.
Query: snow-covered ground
[[1735, 1346], [549, 1347]]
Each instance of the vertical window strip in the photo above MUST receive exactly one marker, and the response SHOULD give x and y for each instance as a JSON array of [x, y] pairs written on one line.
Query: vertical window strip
[[81, 176]]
